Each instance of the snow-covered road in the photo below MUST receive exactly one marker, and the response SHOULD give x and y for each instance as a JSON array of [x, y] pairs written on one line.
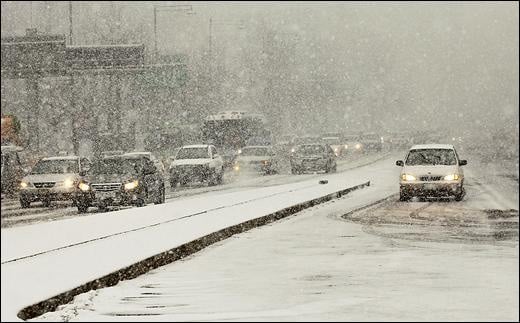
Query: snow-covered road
[[363, 257], [14, 215]]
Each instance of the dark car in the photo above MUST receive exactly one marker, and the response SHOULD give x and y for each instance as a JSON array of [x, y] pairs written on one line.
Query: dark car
[[313, 157], [120, 180]]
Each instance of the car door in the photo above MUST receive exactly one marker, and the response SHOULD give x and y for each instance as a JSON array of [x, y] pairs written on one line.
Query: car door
[[150, 177], [217, 159]]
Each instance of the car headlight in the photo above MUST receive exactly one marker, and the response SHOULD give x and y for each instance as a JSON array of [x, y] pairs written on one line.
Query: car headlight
[[408, 177], [451, 177], [358, 146], [236, 167], [346, 146], [24, 184], [84, 186], [131, 185], [68, 183]]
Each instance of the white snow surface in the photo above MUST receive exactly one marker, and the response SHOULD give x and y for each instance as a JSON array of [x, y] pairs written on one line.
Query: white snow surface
[[104, 243]]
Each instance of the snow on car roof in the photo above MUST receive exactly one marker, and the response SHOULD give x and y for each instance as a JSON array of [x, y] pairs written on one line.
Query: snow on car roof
[[256, 147], [195, 146], [433, 146], [61, 158]]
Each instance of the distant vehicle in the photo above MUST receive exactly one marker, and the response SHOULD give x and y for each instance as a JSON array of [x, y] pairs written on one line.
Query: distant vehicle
[[197, 163], [257, 159], [307, 140], [399, 141], [12, 169], [371, 142], [431, 170], [146, 154], [231, 130], [52, 179], [336, 145], [352, 144], [120, 180], [313, 157]]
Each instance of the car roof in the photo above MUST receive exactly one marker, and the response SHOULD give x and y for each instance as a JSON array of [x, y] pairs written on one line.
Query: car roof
[[256, 147], [61, 158], [433, 146], [196, 146]]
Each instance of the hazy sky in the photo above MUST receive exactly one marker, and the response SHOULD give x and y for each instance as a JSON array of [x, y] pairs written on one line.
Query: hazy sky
[[412, 64]]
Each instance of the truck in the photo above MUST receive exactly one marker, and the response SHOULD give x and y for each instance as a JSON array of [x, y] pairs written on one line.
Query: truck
[[231, 130], [12, 169]]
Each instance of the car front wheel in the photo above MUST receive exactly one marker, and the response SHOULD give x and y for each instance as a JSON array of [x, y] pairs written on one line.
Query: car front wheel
[[24, 203]]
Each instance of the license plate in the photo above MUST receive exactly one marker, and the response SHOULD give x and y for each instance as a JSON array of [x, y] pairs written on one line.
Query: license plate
[[429, 186], [106, 195], [43, 191]]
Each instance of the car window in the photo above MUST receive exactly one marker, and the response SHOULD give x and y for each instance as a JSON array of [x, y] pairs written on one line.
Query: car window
[[418, 157], [56, 167], [192, 153]]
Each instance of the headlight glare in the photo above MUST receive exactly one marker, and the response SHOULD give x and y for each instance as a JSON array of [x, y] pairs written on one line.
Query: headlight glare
[[451, 177], [84, 186], [24, 184], [68, 183], [408, 177], [358, 146], [131, 185]]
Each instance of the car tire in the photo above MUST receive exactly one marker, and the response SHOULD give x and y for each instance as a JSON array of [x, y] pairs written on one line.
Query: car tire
[[221, 177], [160, 198], [173, 184], [24, 203], [82, 208], [460, 196], [403, 197], [46, 202], [335, 168], [294, 171], [139, 202], [102, 208]]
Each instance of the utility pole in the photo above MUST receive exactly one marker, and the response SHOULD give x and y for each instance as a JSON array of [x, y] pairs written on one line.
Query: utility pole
[[70, 22]]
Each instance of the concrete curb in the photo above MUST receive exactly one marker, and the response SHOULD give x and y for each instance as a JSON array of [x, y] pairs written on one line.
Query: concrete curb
[[174, 254]]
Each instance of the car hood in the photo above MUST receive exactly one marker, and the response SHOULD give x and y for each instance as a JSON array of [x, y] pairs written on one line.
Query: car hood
[[252, 158], [198, 161], [110, 178], [310, 157], [431, 170], [49, 177]]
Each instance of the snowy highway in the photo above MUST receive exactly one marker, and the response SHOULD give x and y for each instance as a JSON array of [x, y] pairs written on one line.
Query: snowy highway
[[360, 257], [14, 215]]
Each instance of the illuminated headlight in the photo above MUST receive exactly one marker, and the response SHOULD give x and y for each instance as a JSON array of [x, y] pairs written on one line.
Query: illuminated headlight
[[346, 146], [131, 185], [84, 186], [68, 183], [358, 146], [451, 177], [24, 184], [239, 151], [236, 167], [293, 150], [408, 177]]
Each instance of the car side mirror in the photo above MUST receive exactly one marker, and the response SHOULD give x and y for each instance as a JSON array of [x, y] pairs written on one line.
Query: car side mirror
[[215, 156], [463, 162], [399, 163]]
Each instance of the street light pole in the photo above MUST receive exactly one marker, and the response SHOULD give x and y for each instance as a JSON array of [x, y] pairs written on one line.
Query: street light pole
[[70, 22], [155, 30]]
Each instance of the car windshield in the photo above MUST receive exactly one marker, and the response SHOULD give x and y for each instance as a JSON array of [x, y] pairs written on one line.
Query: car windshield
[[308, 150], [116, 166], [332, 140], [255, 151], [192, 153], [431, 157], [351, 138], [56, 167]]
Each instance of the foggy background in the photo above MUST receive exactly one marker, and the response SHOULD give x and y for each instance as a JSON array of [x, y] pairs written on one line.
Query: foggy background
[[309, 67]]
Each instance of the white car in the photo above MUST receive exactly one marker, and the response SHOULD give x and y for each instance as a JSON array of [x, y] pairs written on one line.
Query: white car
[[431, 170], [52, 179], [199, 163], [256, 159], [157, 162], [335, 144]]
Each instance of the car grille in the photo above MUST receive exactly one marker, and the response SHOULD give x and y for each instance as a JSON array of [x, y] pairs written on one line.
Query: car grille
[[193, 168], [44, 184], [106, 187], [430, 178]]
